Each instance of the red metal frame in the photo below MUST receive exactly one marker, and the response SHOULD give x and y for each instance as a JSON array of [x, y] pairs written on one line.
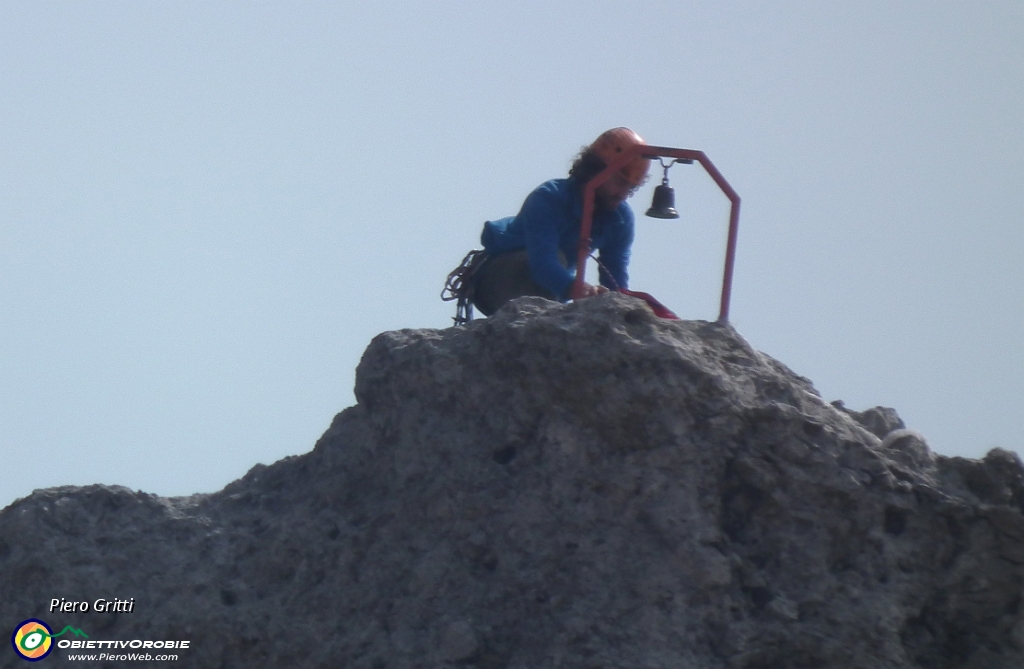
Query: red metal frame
[[667, 152]]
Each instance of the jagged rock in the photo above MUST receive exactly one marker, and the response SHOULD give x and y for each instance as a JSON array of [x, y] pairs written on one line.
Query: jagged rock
[[579, 485], [879, 421]]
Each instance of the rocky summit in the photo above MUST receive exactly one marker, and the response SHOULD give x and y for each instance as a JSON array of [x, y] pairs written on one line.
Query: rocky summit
[[561, 485]]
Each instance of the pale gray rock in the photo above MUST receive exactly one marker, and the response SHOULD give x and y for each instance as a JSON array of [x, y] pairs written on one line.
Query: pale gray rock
[[579, 485]]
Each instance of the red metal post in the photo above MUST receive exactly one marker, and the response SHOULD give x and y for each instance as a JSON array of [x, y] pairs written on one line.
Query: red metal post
[[667, 152]]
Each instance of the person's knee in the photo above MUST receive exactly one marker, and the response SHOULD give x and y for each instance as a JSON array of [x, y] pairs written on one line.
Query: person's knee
[[505, 277]]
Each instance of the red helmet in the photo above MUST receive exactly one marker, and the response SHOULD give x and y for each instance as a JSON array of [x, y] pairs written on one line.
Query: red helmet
[[612, 143]]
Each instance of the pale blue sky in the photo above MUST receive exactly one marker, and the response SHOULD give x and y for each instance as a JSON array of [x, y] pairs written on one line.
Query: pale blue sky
[[207, 210]]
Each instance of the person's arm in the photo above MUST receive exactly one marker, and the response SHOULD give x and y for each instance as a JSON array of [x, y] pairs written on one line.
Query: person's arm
[[543, 217], [615, 252]]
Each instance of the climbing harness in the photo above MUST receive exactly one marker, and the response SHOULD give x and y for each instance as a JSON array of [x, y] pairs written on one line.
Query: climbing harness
[[460, 285]]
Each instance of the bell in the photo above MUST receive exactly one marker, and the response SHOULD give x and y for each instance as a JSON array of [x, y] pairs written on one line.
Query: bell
[[663, 205]]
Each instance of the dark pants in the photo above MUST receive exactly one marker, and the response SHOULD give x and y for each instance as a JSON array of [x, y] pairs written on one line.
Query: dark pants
[[505, 277]]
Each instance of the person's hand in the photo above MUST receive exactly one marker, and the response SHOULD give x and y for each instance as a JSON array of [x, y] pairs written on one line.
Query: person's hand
[[582, 290]]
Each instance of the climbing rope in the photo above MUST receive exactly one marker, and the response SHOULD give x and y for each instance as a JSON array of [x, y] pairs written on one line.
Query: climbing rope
[[659, 309], [460, 285]]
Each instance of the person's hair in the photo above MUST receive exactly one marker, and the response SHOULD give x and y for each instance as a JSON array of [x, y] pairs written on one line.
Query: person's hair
[[586, 165]]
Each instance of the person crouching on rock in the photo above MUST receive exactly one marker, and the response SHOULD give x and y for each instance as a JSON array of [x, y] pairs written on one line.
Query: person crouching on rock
[[534, 252]]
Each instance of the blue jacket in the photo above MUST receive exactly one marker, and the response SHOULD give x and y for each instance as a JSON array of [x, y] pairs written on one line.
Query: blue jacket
[[549, 222]]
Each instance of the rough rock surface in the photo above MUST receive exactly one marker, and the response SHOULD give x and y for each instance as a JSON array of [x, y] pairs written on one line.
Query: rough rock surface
[[578, 485]]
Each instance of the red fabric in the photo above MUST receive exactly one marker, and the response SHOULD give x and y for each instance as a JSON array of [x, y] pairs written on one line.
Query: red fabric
[[657, 307]]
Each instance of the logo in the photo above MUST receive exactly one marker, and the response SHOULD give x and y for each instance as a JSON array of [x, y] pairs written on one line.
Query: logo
[[33, 639]]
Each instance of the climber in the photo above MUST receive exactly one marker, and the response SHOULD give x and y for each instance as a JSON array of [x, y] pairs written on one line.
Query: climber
[[534, 252]]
